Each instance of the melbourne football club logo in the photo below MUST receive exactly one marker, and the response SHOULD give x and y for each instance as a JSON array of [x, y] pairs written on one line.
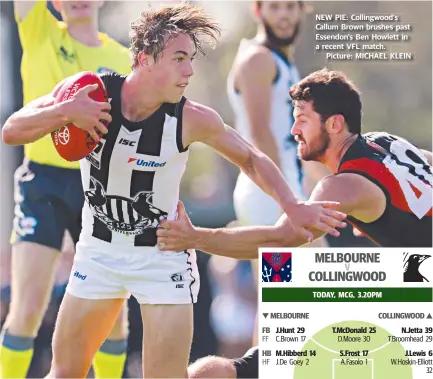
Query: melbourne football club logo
[[121, 214], [276, 267], [417, 267]]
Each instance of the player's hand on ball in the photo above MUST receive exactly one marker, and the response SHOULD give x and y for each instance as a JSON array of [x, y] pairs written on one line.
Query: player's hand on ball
[[176, 235], [320, 215], [86, 113]]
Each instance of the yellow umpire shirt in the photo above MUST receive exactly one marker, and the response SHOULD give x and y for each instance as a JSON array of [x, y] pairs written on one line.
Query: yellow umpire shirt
[[50, 54]]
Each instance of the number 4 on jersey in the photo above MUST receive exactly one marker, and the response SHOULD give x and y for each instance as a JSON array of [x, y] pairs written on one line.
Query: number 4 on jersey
[[413, 175]]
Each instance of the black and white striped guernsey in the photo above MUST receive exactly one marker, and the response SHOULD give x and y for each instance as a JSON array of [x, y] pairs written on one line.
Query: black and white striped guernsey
[[132, 178]]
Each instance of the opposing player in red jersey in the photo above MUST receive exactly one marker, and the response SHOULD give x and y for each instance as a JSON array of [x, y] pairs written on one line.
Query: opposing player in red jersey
[[382, 182]]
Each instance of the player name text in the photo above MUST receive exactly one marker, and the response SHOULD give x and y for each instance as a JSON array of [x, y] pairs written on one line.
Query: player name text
[[290, 315]]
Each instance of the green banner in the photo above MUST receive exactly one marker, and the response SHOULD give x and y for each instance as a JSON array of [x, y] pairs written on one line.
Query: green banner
[[398, 295]]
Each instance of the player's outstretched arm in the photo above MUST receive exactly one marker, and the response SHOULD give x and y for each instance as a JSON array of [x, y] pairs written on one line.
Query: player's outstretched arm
[[356, 195], [42, 116], [238, 243], [205, 125]]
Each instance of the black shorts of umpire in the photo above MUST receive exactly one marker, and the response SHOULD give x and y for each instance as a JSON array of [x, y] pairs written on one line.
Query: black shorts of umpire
[[248, 365]]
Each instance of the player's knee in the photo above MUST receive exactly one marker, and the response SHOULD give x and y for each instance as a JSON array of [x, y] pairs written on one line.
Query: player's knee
[[212, 367], [26, 317], [66, 364]]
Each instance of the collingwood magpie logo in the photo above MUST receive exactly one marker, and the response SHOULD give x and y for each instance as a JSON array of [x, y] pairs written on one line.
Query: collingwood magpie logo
[[121, 214], [413, 269]]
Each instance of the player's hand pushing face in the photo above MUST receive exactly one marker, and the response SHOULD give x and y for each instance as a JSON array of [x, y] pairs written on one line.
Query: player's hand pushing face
[[86, 113], [176, 235], [320, 215]]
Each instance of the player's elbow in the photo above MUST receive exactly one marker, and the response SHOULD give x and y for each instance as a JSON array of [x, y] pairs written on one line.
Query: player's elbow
[[16, 132], [10, 135]]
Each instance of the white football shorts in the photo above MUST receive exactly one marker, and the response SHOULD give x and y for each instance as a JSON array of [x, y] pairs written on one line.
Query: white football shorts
[[150, 275]]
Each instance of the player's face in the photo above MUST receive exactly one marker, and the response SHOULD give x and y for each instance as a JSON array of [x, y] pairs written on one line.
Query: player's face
[[281, 20], [173, 70], [310, 132], [78, 11]]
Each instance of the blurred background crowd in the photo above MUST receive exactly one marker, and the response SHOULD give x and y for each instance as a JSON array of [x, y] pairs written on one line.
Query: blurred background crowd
[[397, 98]]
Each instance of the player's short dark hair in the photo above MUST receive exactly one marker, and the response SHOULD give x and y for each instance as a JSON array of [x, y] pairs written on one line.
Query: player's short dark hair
[[331, 93], [149, 31]]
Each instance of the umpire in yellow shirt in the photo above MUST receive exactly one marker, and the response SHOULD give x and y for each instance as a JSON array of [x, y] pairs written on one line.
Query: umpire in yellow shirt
[[48, 190]]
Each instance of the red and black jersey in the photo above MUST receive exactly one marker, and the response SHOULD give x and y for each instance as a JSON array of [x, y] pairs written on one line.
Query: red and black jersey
[[402, 172]]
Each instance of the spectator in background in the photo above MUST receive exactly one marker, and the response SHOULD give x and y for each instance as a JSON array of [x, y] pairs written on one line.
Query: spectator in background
[[48, 190], [258, 89]]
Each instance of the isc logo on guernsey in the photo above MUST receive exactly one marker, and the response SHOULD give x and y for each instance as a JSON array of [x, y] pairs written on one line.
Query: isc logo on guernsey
[[142, 162]]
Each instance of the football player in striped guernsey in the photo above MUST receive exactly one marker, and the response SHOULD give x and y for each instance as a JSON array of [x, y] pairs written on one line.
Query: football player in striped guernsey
[[131, 186]]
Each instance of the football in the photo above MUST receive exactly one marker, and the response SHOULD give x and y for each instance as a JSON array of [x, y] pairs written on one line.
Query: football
[[71, 142]]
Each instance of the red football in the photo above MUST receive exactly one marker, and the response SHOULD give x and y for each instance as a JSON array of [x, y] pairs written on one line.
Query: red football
[[71, 142]]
